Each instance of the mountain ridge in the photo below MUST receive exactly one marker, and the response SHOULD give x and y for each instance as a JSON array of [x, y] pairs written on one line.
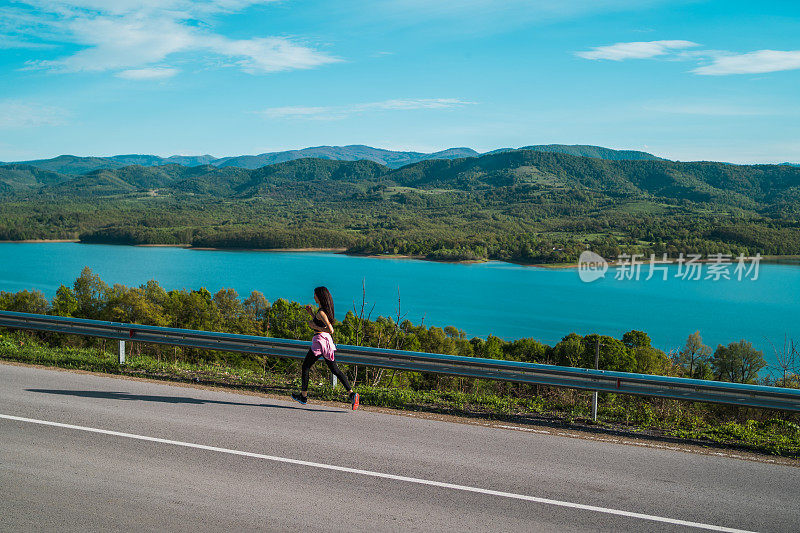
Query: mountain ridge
[[71, 164], [521, 205], [759, 188]]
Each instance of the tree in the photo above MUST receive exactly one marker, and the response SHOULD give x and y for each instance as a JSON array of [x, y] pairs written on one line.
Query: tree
[[646, 358], [229, 311], [24, 302], [738, 362], [614, 354], [527, 350], [787, 359], [650, 360], [256, 306], [154, 292], [64, 302], [491, 349], [454, 332], [695, 353], [289, 320], [704, 370], [569, 351], [636, 339], [91, 292], [140, 309], [191, 310]]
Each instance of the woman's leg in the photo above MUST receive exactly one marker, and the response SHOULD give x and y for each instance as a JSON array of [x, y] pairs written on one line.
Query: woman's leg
[[339, 374], [307, 362]]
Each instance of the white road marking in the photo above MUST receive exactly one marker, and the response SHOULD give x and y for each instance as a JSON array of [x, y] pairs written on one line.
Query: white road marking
[[518, 428], [419, 481]]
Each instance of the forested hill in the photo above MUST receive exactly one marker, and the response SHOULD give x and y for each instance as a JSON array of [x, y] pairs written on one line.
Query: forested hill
[[16, 177], [756, 187], [390, 158], [750, 186], [522, 205], [584, 150], [70, 164]]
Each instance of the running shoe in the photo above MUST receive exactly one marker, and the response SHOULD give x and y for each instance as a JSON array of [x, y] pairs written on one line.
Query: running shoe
[[296, 396], [354, 399]]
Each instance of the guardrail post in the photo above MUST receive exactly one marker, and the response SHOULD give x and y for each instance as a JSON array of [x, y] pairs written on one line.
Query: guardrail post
[[596, 367], [121, 352], [334, 381]]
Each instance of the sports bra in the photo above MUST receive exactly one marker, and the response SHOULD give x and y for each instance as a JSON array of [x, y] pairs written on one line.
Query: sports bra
[[318, 321]]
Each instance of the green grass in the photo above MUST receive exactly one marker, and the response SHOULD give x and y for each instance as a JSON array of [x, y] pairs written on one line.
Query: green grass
[[775, 436], [665, 418]]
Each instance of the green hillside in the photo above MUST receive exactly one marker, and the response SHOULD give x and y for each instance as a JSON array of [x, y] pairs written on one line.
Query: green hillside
[[598, 152], [68, 164], [757, 187], [522, 205], [16, 177]]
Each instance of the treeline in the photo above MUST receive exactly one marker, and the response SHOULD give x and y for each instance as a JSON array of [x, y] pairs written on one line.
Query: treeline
[[90, 297]]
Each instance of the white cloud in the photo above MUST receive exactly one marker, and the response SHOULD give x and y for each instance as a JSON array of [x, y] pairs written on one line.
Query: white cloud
[[17, 114], [133, 35], [266, 54], [343, 111], [422, 103], [635, 50], [756, 62], [296, 112], [155, 73], [721, 62]]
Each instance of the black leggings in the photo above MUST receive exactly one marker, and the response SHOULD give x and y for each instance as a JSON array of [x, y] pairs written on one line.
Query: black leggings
[[311, 359]]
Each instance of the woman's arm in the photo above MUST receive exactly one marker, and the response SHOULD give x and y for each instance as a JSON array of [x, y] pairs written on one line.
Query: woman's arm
[[311, 323]]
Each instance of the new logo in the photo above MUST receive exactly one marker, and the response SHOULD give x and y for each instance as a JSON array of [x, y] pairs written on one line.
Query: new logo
[[591, 266]]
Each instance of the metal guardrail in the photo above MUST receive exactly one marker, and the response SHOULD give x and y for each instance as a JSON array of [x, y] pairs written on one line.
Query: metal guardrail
[[532, 373]]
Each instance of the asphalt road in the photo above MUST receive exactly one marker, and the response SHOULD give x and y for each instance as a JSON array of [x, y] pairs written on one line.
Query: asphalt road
[[81, 452]]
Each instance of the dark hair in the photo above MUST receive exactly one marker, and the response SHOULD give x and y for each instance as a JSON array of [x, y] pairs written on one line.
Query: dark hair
[[325, 301]]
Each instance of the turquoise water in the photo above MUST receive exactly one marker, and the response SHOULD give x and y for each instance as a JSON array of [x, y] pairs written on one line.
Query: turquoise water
[[496, 298]]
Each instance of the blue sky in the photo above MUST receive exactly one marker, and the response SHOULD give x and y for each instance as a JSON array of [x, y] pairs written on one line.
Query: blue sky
[[687, 80]]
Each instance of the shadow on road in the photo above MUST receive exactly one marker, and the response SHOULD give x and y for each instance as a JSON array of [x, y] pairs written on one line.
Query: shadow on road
[[108, 395]]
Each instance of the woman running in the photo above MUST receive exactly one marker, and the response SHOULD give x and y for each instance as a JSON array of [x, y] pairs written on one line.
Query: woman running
[[322, 345]]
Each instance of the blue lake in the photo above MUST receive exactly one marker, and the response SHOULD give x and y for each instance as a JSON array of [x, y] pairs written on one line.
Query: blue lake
[[502, 299]]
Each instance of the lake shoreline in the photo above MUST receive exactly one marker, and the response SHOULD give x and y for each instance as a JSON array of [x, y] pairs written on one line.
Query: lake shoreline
[[295, 250], [791, 259], [40, 241]]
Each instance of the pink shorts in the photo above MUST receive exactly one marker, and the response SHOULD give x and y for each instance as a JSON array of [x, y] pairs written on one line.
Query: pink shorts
[[322, 344]]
